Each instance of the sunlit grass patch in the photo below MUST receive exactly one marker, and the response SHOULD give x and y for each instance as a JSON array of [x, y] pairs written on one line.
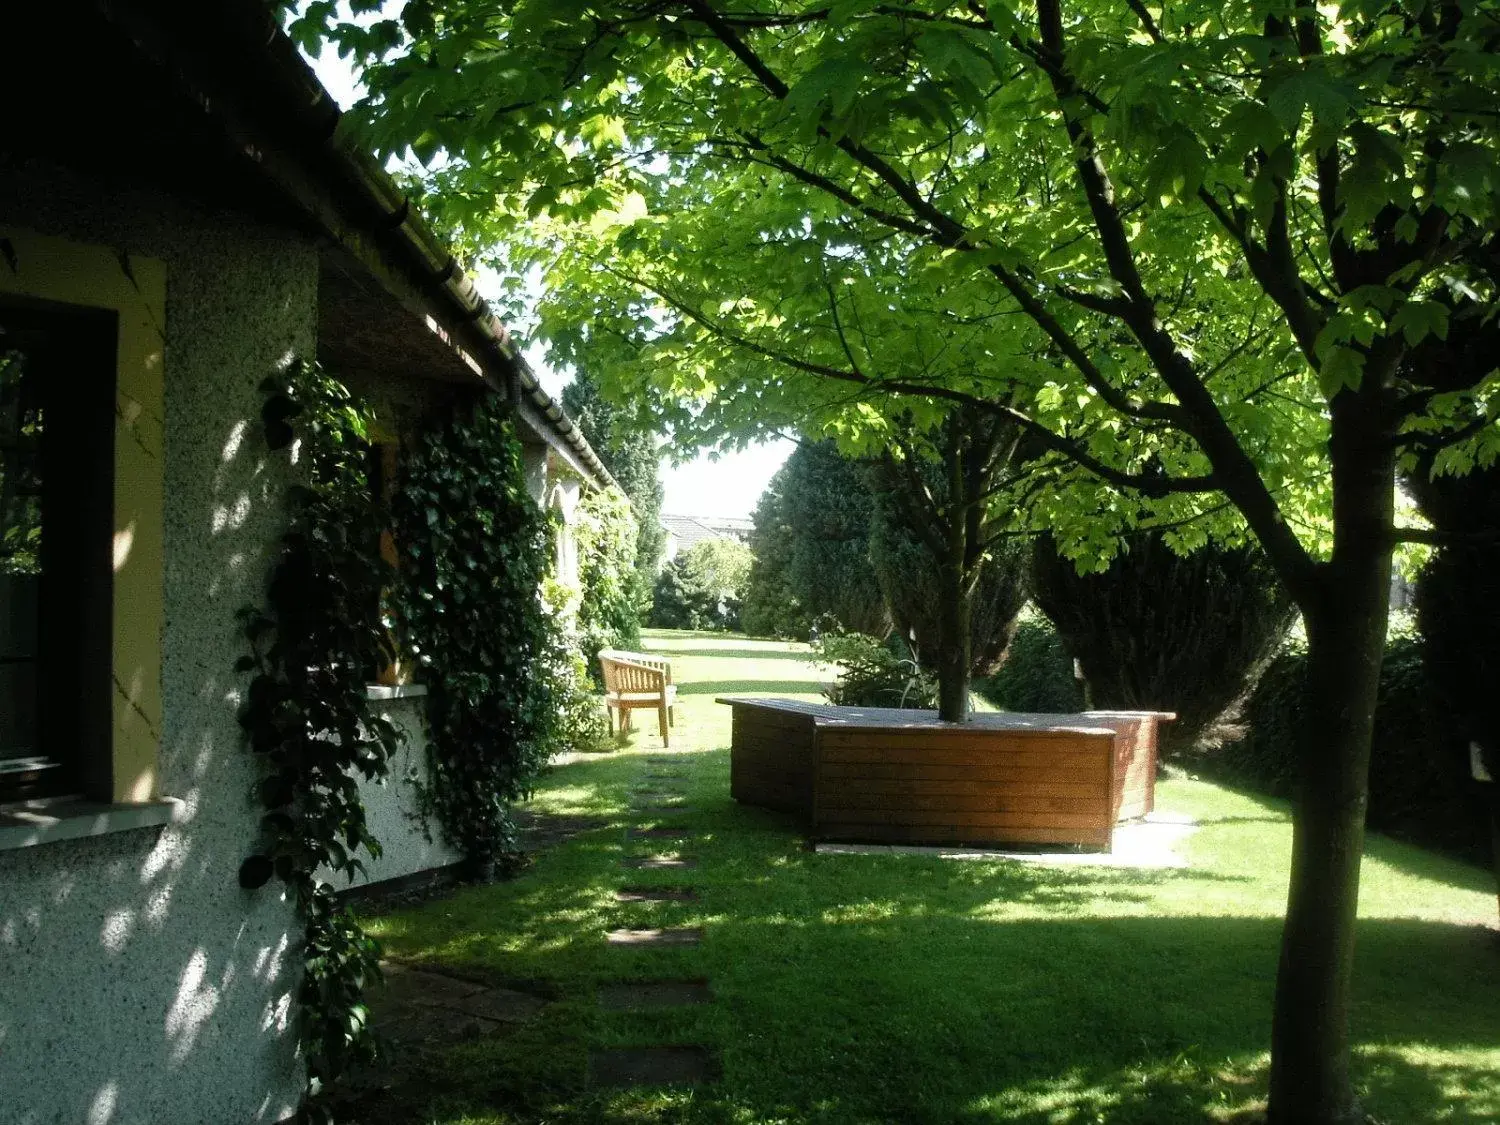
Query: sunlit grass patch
[[889, 988]]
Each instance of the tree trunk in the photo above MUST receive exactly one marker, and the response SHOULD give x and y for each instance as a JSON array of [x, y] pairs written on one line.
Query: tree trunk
[[955, 608], [1346, 626]]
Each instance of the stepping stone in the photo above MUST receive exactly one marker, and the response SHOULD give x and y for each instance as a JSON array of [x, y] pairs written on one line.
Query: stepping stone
[[653, 794], [655, 894], [404, 985], [639, 996], [660, 863], [651, 1066], [672, 935], [502, 1005], [662, 832]]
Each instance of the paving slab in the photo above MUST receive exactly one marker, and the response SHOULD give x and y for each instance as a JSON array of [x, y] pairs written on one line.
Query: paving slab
[[418, 1009], [501, 1005], [671, 935], [660, 862], [656, 894], [660, 832], [661, 808], [651, 1066], [405, 985], [643, 995]]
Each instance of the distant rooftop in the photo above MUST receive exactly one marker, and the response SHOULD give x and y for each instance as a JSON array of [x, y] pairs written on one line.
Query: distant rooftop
[[688, 530]]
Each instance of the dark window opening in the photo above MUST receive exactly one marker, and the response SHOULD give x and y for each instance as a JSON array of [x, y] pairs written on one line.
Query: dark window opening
[[57, 402]]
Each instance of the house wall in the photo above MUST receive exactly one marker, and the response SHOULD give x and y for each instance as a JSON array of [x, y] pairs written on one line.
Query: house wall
[[409, 843], [138, 982]]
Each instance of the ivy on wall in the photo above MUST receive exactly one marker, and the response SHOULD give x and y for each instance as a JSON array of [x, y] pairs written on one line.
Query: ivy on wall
[[306, 713], [608, 606], [475, 549]]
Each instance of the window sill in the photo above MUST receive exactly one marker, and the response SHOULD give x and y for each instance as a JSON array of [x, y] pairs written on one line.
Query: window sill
[[395, 691], [28, 824]]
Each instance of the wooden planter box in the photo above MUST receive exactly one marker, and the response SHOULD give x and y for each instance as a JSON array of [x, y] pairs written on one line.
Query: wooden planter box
[[879, 775]]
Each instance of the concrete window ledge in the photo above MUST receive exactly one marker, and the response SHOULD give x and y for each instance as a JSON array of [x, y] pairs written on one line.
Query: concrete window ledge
[[30, 823], [395, 691]]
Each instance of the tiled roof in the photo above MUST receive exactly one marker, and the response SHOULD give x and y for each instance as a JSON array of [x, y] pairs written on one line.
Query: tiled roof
[[688, 530]]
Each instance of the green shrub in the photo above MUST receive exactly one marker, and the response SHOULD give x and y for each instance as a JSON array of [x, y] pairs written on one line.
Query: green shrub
[[1037, 672], [1419, 787], [875, 673], [1160, 631], [702, 587]]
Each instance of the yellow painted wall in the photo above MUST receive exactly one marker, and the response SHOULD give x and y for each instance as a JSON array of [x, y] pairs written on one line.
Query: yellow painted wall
[[99, 277]]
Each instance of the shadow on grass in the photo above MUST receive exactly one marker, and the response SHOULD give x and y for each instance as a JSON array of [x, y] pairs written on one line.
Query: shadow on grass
[[744, 654], [938, 1017], [751, 687], [1410, 859], [908, 989]]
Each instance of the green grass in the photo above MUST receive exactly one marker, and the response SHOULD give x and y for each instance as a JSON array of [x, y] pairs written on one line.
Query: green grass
[[855, 989]]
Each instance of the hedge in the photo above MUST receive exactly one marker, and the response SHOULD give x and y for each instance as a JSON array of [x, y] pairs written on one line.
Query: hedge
[[1420, 789]]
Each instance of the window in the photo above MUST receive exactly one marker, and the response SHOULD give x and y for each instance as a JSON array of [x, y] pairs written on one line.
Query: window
[[57, 393], [82, 333]]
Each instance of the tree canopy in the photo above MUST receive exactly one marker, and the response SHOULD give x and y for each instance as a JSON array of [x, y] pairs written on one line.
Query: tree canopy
[[629, 451], [1225, 266]]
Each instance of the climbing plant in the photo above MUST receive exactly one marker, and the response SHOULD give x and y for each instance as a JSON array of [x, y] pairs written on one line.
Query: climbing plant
[[475, 549], [608, 606], [309, 722]]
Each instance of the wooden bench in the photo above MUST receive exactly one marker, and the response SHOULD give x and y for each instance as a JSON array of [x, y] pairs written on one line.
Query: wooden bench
[[633, 680], [879, 775]]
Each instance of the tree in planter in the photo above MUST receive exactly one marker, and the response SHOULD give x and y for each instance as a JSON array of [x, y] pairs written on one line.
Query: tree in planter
[[953, 582], [1234, 240], [1161, 631]]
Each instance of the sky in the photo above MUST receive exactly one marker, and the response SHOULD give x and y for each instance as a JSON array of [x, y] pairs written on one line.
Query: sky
[[712, 484]]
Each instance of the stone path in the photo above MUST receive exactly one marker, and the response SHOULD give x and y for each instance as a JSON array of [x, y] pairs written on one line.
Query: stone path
[[666, 1064]]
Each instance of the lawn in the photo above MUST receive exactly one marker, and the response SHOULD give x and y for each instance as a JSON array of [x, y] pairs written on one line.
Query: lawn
[[913, 989]]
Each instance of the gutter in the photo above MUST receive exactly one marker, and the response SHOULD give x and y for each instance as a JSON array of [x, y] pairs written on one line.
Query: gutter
[[328, 165]]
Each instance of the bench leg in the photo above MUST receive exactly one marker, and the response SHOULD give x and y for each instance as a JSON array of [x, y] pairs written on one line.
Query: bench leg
[[661, 716]]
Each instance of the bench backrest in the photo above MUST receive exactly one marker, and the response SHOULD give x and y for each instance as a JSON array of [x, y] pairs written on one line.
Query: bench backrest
[[634, 671]]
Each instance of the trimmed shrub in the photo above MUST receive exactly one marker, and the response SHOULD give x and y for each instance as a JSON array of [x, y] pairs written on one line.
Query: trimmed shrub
[[1037, 672], [875, 673], [771, 607], [826, 505], [1458, 608], [1159, 631], [1419, 787]]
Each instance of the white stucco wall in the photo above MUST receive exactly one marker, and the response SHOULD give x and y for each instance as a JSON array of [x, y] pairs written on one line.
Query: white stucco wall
[[139, 985], [393, 810]]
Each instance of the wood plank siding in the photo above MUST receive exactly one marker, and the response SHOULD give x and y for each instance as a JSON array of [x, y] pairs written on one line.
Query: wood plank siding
[[875, 775]]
